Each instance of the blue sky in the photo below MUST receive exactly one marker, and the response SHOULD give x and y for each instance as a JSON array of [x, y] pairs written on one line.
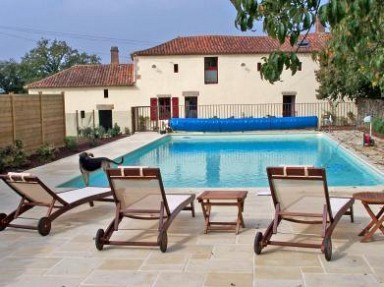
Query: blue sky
[[94, 26]]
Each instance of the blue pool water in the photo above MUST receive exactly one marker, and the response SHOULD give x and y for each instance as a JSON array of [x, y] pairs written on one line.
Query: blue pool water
[[241, 160]]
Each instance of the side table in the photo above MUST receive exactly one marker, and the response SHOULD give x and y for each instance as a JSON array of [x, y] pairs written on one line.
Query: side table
[[367, 199], [211, 198]]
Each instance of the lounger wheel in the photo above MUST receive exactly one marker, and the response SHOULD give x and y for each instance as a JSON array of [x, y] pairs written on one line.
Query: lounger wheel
[[257, 243], [99, 239], [163, 240], [2, 224], [44, 226], [328, 248]]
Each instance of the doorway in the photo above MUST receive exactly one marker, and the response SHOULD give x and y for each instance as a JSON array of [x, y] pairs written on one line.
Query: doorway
[[191, 107], [105, 119], [289, 106]]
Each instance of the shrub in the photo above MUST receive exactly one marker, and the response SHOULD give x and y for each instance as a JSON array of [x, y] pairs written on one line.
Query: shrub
[[47, 152], [98, 133], [143, 121], [115, 131], [20, 156], [86, 132], [12, 156], [378, 125], [71, 143], [352, 118]]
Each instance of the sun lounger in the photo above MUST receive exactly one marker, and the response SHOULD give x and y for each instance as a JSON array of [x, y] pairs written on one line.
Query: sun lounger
[[300, 195], [139, 194], [34, 192]]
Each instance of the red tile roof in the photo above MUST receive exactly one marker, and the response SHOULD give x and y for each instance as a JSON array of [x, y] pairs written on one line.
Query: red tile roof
[[220, 45], [80, 76]]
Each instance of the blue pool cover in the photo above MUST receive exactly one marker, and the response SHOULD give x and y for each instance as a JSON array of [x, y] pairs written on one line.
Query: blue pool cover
[[242, 124]]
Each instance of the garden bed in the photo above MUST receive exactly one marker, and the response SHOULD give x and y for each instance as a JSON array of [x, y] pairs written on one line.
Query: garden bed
[[83, 144]]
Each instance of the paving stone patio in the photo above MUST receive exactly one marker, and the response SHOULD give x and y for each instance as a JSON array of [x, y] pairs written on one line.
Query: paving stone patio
[[68, 257]]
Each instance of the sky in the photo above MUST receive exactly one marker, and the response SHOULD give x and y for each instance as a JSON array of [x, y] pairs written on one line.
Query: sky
[[94, 26]]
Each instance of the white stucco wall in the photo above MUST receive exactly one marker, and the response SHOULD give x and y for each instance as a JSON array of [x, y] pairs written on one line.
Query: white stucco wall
[[88, 100], [237, 84]]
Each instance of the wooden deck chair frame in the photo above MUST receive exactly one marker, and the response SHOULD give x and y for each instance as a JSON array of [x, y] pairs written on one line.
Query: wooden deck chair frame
[[34, 192], [330, 209], [139, 194]]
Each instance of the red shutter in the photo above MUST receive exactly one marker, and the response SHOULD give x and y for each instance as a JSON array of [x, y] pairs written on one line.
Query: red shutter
[[153, 109], [175, 107]]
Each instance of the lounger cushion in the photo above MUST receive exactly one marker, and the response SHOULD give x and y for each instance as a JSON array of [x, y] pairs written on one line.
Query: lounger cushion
[[337, 203], [77, 194], [175, 200]]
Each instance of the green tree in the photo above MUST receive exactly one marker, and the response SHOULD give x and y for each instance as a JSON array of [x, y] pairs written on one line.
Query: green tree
[[349, 81], [50, 57], [356, 45], [10, 77]]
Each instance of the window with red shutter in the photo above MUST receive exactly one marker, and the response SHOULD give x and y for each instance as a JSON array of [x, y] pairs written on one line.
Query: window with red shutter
[[164, 108]]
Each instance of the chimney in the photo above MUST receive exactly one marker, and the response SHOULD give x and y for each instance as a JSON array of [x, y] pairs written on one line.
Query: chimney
[[114, 56], [319, 27]]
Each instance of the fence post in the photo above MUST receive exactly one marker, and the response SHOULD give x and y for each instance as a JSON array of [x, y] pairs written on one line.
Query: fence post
[[77, 123], [133, 119], [93, 115], [13, 118], [64, 118], [42, 139]]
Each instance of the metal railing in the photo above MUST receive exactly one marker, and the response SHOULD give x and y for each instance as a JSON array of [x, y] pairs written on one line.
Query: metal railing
[[145, 118]]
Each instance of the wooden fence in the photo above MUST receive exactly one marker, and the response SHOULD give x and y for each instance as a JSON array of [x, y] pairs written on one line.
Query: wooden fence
[[33, 119]]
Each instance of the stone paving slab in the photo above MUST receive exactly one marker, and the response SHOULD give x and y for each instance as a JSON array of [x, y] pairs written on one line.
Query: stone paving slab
[[68, 257]]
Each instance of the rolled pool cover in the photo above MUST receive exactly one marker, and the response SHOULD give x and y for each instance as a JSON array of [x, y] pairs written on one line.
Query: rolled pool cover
[[242, 124]]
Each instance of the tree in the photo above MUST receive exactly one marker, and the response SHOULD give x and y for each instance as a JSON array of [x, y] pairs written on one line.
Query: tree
[[10, 77], [49, 58], [357, 42], [346, 81]]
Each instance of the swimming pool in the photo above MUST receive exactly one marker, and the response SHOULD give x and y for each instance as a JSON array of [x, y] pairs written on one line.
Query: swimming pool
[[218, 161]]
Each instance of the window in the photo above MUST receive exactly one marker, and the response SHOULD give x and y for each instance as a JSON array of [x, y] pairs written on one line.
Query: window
[[289, 105], [210, 70], [163, 108], [175, 68], [190, 107], [160, 108], [300, 66], [259, 67], [105, 93]]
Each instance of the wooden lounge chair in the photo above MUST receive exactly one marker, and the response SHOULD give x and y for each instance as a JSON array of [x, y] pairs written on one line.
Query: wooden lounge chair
[[300, 195], [139, 194], [34, 193]]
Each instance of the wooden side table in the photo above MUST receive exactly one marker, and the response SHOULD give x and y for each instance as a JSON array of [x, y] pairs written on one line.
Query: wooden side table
[[211, 198], [367, 199]]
